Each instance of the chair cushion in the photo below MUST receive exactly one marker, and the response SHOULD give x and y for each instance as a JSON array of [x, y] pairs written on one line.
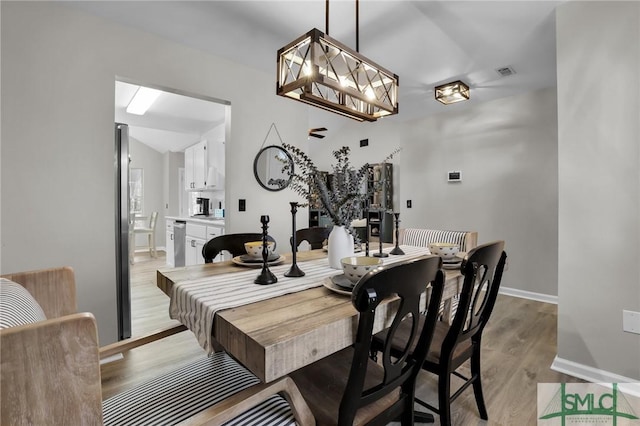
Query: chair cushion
[[17, 305], [180, 394], [461, 352], [273, 411], [423, 237]]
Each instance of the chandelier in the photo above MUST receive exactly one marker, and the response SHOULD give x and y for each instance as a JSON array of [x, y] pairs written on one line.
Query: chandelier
[[323, 72]]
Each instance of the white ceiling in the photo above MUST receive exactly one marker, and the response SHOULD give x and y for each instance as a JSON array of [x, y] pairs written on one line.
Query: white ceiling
[[425, 42], [172, 123]]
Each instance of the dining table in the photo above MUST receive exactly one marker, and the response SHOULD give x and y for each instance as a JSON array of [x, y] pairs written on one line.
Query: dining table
[[276, 329]]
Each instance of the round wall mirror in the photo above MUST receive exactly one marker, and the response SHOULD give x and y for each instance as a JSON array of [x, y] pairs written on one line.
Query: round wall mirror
[[273, 167]]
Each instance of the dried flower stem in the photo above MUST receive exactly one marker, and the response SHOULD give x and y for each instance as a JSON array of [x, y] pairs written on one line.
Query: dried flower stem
[[343, 196]]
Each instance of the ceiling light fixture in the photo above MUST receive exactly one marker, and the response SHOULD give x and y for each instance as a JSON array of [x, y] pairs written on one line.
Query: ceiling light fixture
[[451, 93], [323, 72], [142, 100]]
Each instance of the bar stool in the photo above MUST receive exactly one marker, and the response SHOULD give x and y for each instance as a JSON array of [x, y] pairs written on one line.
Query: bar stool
[[150, 230]]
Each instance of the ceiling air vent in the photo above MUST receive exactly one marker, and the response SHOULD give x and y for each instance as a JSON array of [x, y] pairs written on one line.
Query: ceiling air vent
[[505, 71]]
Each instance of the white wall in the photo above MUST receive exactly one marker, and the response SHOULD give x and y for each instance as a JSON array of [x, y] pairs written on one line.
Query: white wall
[[58, 71], [507, 152], [598, 47]]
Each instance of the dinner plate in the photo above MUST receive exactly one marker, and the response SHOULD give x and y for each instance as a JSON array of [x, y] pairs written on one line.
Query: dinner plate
[[336, 289], [252, 264], [250, 259], [451, 265], [343, 281]]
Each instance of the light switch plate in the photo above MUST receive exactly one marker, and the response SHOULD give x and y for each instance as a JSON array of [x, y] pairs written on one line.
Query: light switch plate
[[631, 321], [454, 176]]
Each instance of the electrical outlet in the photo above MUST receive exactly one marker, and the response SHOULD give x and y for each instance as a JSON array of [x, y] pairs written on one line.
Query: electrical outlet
[[242, 205], [408, 204], [364, 142], [631, 321]]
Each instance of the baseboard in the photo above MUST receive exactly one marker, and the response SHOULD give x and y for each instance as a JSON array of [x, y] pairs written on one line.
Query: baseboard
[[146, 249], [540, 297], [594, 375]]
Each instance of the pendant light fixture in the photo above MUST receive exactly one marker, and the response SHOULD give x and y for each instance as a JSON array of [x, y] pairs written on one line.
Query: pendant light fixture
[[451, 93], [325, 73]]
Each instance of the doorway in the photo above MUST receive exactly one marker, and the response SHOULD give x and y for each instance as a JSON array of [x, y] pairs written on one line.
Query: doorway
[[153, 161]]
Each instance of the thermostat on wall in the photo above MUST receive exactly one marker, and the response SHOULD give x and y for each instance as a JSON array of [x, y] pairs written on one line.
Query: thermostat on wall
[[455, 176]]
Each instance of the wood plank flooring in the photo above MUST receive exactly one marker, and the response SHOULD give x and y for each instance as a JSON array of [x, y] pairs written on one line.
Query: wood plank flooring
[[519, 345], [149, 305]]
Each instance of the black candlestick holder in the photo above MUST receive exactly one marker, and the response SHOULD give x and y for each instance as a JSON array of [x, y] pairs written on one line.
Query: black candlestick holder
[[294, 271], [366, 234], [381, 215], [266, 276], [397, 250]]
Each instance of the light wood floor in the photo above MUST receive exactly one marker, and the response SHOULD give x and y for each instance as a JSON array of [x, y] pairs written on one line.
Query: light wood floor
[[519, 345], [149, 305]]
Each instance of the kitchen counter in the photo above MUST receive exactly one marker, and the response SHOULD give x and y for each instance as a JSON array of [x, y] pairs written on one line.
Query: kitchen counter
[[203, 220]]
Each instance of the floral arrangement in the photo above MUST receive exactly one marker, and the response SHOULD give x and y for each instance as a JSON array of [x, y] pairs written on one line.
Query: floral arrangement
[[342, 196]]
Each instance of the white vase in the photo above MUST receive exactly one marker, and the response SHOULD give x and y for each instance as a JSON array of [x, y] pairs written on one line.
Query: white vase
[[340, 245]]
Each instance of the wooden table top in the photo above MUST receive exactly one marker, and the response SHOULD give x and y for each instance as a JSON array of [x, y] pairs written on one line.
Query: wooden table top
[[277, 336]]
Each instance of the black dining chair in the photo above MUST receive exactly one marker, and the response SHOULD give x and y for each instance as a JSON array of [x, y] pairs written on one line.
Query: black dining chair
[[348, 388], [315, 236], [233, 243], [454, 344]]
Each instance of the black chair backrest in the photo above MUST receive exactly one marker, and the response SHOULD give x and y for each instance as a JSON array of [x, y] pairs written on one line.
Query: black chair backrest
[[408, 280], [233, 243], [482, 269], [315, 236]]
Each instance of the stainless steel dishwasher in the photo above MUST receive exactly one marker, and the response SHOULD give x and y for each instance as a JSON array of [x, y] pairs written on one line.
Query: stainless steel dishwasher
[[179, 236]]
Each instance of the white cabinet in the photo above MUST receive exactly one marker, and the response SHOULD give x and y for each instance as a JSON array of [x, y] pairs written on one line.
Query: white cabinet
[[169, 245], [197, 234], [215, 231], [193, 251], [195, 167], [194, 242]]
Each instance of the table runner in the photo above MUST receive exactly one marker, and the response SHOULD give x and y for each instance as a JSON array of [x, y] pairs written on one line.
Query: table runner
[[195, 302]]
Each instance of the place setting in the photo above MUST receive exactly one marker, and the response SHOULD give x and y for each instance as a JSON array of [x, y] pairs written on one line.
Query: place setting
[[449, 253], [354, 268], [253, 257]]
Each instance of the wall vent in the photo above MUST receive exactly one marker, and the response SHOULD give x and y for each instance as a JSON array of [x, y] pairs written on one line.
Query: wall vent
[[505, 71]]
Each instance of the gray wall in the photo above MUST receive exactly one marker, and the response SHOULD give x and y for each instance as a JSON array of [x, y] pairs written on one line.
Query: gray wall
[[598, 46], [507, 152], [153, 171], [58, 71], [173, 162]]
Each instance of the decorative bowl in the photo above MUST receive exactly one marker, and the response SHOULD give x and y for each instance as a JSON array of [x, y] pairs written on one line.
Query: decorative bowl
[[254, 248], [356, 267], [447, 251]]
